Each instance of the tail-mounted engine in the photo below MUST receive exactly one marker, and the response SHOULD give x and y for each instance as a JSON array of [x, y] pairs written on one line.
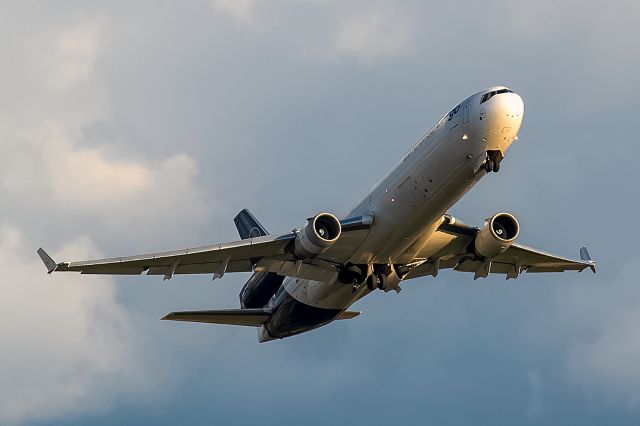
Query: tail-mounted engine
[[319, 233], [498, 234]]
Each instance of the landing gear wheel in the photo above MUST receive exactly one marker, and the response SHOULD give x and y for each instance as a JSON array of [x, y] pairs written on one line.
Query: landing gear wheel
[[492, 163]]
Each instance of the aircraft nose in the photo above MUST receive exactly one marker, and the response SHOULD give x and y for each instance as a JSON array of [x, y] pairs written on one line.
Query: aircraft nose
[[502, 106], [503, 109], [502, 115], [512, 105]]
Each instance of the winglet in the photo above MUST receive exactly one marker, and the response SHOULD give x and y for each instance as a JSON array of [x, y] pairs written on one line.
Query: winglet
[[47, 260], [584, 256]]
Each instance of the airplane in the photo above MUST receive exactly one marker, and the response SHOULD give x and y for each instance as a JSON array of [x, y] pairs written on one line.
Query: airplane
[[400, 230]]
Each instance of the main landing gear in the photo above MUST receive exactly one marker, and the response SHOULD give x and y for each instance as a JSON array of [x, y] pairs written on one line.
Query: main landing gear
[[378, 276], [356, 275], [378, 281], [492, 163]]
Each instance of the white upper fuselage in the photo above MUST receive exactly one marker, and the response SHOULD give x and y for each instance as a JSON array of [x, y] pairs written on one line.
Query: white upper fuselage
[[408, 203]]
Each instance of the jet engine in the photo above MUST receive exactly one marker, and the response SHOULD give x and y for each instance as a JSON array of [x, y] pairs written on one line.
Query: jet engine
[[499, 232], [319, 233]]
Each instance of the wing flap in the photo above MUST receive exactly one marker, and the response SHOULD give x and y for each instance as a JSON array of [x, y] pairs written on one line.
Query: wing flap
[[248, 317], [320, 271], [202, 268]]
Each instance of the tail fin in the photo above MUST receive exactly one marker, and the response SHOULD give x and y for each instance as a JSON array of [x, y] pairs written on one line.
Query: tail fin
[[248, 226]]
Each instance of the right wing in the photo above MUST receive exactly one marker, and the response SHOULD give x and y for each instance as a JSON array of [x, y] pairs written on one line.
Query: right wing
[[272, 253], [236, 256]]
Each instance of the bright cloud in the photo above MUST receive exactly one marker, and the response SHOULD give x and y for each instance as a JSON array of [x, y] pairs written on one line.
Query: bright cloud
[[371, 36], [69, 56], [239, 10], [69, 346], [65, 339]]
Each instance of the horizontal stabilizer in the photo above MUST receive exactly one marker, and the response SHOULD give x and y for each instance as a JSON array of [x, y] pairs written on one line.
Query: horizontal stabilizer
[[47, 260], [250, 317]]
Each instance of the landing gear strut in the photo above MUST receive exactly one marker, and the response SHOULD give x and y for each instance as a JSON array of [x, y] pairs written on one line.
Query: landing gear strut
[[492, 163]]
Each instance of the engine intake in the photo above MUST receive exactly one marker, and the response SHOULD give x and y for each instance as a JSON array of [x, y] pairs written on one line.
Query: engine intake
[[319, 233], [498, 234]]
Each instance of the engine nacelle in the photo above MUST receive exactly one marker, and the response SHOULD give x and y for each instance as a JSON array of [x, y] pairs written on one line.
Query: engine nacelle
[[320, 233], [498, 234]]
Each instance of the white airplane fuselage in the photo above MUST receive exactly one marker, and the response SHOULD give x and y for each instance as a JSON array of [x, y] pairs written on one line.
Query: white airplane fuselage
[[408, 204]]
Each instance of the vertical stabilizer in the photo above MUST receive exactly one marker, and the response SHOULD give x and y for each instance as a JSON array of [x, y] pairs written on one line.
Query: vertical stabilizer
[[248, 226]]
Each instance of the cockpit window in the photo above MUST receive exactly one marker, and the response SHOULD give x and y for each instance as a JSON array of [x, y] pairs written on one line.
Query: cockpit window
[[489, 95]]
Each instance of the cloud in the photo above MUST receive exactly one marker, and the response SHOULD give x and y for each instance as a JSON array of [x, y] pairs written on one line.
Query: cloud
[[70, 347], [66, 341], [51, 162], [372, 36], [536, 387], [605, 359], [68, 57], [116, 189], [241, 11]]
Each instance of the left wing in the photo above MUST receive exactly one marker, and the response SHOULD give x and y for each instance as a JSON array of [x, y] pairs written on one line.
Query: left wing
[[513, 261]]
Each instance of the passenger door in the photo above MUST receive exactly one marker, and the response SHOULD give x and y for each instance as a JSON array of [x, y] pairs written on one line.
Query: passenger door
[[466, 107]]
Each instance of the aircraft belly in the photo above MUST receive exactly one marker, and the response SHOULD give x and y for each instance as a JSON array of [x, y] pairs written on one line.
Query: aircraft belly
[[333, 295], [293, 316]]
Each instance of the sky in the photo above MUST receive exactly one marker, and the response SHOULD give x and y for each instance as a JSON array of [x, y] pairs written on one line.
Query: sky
[[129, 127]]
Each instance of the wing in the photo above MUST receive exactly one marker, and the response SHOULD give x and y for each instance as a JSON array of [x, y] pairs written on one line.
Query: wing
[[272, 253], [236, 256], [513, 261]]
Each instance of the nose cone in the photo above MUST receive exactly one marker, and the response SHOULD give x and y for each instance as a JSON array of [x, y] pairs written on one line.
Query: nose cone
[[512, 105], [503, 113], [506, 107]]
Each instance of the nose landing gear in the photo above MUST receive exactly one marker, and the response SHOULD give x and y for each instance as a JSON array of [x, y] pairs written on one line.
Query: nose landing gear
[[492, 163]]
